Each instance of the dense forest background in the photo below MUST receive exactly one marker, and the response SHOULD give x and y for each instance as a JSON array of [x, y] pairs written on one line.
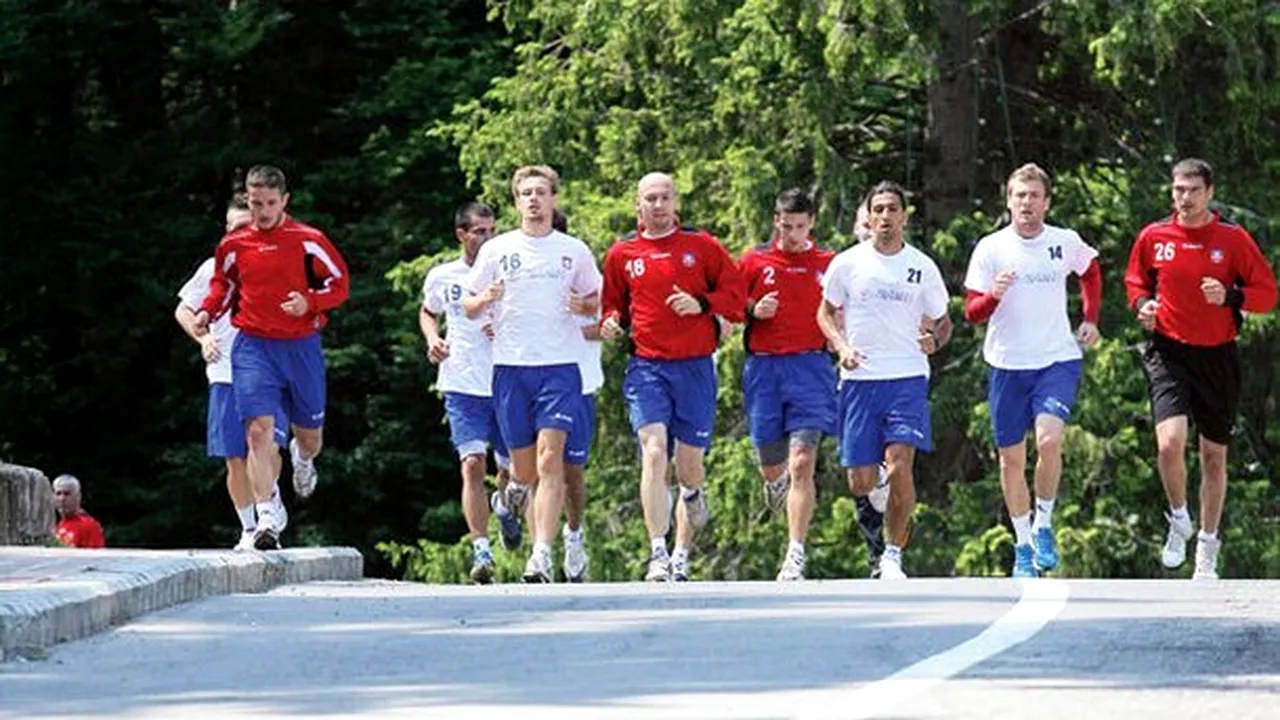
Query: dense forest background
[[124, 125]]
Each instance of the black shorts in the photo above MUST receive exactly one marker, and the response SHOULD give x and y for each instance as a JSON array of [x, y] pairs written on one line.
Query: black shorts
[[1200, 382]]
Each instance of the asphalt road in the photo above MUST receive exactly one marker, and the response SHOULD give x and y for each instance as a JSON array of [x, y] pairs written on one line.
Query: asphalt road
[[852, 649]]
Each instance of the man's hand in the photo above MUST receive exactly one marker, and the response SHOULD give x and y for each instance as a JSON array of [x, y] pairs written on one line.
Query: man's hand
[[579, 305], [1004, 279], [611, 329], [1214, 291], [850, 357], [1147, 314], [494, 292], [296, 305], [924, 335], [683, 303], [437, 350], [209, 348], [1087, 335], [767, 306]]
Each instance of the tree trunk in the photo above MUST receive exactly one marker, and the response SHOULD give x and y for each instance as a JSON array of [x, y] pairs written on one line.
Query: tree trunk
[[952, 131]]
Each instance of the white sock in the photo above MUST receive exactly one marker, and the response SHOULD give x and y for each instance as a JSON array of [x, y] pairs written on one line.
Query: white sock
[[1180, 512], [892, 552], [681, 555], [1208, 536], [574, 536], [266, 509], [480, 544], [658, 547], [1022, 528], [689, 493], [248, 521], [795, 547], [1044, 512]]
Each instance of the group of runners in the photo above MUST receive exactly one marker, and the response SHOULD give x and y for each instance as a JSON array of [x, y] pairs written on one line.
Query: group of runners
[[837, 345]]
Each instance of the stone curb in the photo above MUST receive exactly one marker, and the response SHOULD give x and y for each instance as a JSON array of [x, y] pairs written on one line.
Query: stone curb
[[116, 590]]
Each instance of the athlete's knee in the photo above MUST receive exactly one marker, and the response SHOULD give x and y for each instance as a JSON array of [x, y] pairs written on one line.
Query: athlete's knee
[[1213, 458], [1049, 443], [310, 440], [472, 466], [261, 432], [550, 459], [862, 480]]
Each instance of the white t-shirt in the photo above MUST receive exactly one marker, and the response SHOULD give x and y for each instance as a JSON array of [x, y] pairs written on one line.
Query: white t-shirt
[[591, 365], [532, 323], [1030, 328], [224, 333], [469, 367], [884, 298]]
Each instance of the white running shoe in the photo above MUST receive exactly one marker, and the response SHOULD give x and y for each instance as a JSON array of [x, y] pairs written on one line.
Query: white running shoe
[[1206, 559], [659, 569], [246, 541], [515, 496], [792, 567], [282, 515], [880, 496], [1175, 544], [304, 471], [679, 567], [891, 567], [575, 556], [538, 569], [775, 492]]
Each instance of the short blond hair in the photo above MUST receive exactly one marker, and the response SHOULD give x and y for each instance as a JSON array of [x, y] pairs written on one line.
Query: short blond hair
[[1031, 172], [532, 171]]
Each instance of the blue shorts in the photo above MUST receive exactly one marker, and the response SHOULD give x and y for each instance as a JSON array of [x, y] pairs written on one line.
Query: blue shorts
[[1016, 397], [876, 413], [224, 429], [680, 394], [786, 393], [533, 398], [577, 449], [271, 375], [473, 425]]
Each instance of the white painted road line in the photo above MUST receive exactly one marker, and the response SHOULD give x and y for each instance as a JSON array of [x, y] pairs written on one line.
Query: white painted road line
[[1040, 602]]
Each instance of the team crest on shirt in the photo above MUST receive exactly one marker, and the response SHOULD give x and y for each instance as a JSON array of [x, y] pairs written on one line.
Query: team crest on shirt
[[1216, 255], [566, 262], [688, 259]]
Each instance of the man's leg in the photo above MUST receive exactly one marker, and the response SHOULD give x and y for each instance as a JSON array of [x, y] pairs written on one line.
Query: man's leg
[[654, 498], [1213, 498], [1013, 484], [475, 508], [242, 499], [261, 471], [575, 551], [1171, 446], [691, 512], [1050, 430], [801, 463]]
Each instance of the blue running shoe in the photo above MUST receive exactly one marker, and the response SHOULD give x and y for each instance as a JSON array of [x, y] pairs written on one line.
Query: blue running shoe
[[1022, 565], [1046, 550], [508, 522]]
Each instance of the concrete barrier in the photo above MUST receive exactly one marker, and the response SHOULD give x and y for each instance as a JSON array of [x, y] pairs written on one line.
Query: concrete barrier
[[119, 586], [26, 506]]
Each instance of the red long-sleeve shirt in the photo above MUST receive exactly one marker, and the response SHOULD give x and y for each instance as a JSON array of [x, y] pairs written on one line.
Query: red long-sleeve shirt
[[255, 270], [640, 273], [797, 278], [1169, 261]]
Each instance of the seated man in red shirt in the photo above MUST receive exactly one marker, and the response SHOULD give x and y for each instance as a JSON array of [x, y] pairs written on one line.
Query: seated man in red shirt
[[76, 528]]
